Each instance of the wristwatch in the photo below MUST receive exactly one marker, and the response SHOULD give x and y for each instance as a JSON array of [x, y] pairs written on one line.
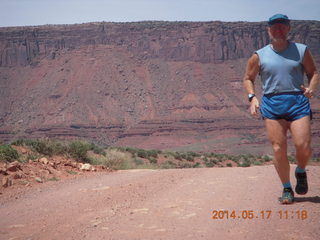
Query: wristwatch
[[251, 96]]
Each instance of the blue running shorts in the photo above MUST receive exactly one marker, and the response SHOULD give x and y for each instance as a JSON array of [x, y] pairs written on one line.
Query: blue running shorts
[[288, 106]]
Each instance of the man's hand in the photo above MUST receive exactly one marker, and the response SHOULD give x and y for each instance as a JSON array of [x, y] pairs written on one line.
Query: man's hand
[[254, 107], [307, 92]]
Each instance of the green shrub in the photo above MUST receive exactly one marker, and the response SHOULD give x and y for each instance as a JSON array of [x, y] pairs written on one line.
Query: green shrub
[[41, 147], [152, 153], [32, 157], [138, 161], [177, 156], [44, 147], [244, 163], [58, 148], [142, 153], [266, 158], [153, 160], [97, 149], [18, 142], [78, 150], [114, 159], [292, 159], [169, 164], [185, 165], [8, 154], [210, 162], [189, 158], [197, 165]]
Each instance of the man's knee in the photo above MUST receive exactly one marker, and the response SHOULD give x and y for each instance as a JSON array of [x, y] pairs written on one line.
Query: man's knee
[[279, 147], [304, 147]]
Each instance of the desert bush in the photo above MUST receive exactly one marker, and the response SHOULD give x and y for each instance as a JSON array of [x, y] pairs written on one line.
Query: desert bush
[[210, 162], [168, 164], [266, 158], [39, 146], [189, 158], [316, 159], [138, 161], [197, 165], [153, 153], [8, 154], [114, 159], [142, 153], [97, 149], [257, 163], [186, 165], [193, 154], [78, 150], [244, 162], [292, 159], [153, 160], [44, 147]]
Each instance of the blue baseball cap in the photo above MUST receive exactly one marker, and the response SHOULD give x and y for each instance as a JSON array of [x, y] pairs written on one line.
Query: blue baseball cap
[[278, 18]]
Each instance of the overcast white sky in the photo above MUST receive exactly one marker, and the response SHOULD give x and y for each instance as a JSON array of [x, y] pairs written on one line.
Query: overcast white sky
[[39, 12]]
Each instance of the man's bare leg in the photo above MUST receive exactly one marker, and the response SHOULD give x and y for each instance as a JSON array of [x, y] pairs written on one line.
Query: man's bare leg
[[301, 135], [277, 134]]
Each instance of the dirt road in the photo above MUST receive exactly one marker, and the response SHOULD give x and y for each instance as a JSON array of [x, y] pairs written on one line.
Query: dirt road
[[163, 204]]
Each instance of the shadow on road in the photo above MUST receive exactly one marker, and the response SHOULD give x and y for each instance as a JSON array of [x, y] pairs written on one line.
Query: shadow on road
[[315, 199]]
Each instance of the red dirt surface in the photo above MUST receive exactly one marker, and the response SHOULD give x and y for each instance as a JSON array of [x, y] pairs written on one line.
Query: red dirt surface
[[162, 204]]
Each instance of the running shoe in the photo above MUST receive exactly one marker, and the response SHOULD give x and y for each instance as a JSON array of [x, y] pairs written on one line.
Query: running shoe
[[287, 196], [302, 183]]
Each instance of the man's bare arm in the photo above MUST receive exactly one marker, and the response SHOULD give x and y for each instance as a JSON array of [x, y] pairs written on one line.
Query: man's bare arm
[[251, 73], [312, 74]]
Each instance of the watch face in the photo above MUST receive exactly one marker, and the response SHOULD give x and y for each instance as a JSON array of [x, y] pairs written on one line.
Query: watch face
[[250, 96]]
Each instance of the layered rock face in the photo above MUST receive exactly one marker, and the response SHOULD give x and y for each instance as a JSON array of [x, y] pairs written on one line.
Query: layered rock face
[[147, 84]]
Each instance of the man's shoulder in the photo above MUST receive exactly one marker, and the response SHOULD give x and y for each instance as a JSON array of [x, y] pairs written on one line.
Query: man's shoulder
[[299, 45], [263, 49]]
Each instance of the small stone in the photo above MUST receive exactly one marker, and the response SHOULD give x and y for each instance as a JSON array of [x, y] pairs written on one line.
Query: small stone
[[86, 167], [53, 171], [44, 160], [39, 180]]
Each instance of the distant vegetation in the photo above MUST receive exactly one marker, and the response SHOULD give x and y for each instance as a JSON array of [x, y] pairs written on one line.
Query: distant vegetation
[[124, 157]]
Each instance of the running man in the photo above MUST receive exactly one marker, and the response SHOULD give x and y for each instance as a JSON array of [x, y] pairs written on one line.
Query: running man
[[285, 101]]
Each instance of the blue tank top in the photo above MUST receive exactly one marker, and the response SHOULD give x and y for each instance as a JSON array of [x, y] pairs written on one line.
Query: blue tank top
[[282, 72]]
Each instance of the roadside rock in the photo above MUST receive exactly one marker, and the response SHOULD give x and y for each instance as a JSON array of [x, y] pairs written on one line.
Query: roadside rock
[[18, 175], [44, 160], [14, 166], [86, 167], [6, 182], [3, 171], [53, 171], [71, 164], [39, 180]]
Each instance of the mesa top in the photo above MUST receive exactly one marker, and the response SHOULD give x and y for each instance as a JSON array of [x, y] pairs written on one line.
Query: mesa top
[[282, 72]]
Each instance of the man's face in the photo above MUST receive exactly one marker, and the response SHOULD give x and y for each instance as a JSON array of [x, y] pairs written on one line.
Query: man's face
[[279, 31]]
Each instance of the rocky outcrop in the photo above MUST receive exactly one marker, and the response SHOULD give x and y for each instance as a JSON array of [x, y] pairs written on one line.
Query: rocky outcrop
[[204, 42]]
